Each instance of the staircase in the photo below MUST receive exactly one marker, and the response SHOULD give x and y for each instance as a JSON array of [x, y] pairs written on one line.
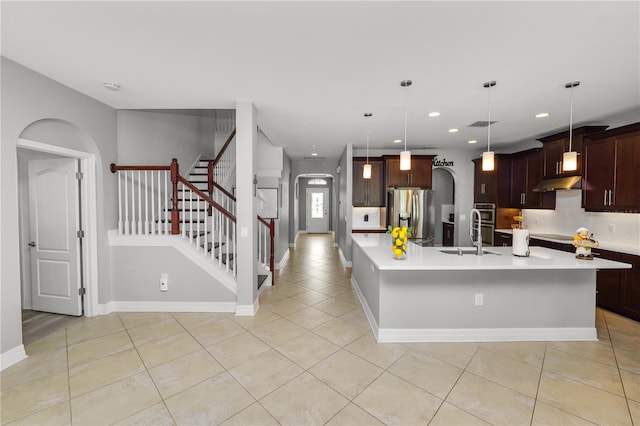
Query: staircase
[[199, 209]]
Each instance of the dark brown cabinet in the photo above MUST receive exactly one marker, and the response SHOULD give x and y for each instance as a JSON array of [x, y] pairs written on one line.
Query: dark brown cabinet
[[618, 290], [447, 234], [630, 287], [611, 171], [419, 175], [492, 186], [554, 146], [368, 192], [502, 239], [526, 173]]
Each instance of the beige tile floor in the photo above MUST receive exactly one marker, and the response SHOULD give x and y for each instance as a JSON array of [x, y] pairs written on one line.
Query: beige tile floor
[[308, 357]]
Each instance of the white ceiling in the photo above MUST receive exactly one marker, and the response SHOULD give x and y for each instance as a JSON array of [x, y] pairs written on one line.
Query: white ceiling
[[313, 68]]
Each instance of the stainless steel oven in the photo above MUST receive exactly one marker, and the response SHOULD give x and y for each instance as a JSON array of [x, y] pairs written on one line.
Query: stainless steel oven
[[487, 231], [487, 212], [488, 221]]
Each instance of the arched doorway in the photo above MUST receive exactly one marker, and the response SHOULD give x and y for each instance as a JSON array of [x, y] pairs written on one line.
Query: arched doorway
[[444, 186]]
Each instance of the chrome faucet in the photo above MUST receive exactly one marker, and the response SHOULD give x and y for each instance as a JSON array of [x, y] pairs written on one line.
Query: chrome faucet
[[477, 241]]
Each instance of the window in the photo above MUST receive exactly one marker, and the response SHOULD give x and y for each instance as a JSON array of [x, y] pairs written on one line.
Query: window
[[317, 182]]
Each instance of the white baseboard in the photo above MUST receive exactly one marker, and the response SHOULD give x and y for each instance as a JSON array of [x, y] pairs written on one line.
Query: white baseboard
[[283, 261], [372, 321], [138, 306], [346, 263], [584, 334], [248, 310], [12, 356]]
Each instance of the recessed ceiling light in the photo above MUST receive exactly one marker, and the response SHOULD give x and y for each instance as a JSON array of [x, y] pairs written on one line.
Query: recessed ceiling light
[[314, 154], [542, 115], [473, 141], [397, 141], [434, 114], [453, 130], [111, 86]]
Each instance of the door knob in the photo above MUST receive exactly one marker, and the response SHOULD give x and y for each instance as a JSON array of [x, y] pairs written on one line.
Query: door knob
[[32, 244]]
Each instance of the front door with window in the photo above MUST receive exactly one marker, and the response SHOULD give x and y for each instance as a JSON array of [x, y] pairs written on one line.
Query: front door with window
[[317, 210]]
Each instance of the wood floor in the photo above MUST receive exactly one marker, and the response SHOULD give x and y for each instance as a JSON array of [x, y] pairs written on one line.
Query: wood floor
[[37, 324]]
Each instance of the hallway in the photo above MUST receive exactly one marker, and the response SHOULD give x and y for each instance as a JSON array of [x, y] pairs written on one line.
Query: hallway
[[309, 357]]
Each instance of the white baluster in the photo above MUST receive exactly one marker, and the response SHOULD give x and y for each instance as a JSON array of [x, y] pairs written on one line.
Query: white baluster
[[167, 215], [126, 204], [146, 204], [120, 227], [139, 203]]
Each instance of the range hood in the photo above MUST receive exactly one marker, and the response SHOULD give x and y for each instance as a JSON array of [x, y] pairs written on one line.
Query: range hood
[[555, 184]]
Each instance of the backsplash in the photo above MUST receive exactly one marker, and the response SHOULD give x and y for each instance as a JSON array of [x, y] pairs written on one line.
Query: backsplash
[[613, 228], [368, 218]]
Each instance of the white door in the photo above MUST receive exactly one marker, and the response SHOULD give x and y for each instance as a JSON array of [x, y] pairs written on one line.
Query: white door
[[55, 247], [318, 210]]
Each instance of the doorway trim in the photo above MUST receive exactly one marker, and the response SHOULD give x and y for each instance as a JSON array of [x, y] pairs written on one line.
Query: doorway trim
[[89, 211]]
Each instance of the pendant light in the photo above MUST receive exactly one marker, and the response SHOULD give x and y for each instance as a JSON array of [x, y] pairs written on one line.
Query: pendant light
[[405, 156], [366, 169], [487, 157], [570, 158]]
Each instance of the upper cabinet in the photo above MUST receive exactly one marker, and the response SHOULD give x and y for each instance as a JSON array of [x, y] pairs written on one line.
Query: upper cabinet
[[554, 146], [368, 192], [611, 171], [419, 175], [492, 186], [526, 172]]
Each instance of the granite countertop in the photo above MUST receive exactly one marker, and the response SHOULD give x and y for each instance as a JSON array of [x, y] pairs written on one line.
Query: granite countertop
[[568, 239], [378, 248]]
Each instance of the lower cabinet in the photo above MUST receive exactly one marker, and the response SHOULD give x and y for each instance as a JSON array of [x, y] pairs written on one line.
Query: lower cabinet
[[630, 287], [618, 290], [447, 234], [502, 239]]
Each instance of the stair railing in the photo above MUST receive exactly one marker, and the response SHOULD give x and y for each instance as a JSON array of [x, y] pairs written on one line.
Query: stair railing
[[266, 245], [221, 170], [144, 194], [157, 200], [218, 238]]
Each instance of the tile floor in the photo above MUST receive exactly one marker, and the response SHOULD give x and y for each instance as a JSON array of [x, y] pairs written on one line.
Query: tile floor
[[308, 357]]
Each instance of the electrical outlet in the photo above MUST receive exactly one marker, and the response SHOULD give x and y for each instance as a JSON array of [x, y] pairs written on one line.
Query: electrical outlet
[[479, 299], [164, 282]]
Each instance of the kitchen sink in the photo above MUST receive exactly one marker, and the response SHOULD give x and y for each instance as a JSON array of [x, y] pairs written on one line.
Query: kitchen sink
[[461, 252]]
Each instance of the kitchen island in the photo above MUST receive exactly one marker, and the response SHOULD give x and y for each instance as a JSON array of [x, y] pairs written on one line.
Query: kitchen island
[[433, 296]]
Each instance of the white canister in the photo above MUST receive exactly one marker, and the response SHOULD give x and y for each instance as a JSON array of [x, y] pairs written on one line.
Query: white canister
[[520, 244]]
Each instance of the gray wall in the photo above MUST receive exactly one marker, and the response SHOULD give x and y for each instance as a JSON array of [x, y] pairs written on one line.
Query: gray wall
[[137, 270], [345, 202], [56, 115], [282, 232], [442, 184], [153, 138]]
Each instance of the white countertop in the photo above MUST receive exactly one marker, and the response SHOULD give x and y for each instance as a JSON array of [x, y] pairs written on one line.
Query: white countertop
[[604, 245], [378, 249]]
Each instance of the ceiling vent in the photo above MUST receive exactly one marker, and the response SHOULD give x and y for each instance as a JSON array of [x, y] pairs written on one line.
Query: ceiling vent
[[481, 123], [315, 158]]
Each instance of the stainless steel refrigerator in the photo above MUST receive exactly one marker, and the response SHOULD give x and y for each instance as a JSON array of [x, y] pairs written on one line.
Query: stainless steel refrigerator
[[414, 208]]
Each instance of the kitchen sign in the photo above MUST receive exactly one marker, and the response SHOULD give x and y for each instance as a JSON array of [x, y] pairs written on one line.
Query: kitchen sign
[[442, 163]]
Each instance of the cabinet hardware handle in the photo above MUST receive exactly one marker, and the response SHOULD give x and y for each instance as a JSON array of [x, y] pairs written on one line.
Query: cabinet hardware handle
[[610, 197], [32, 244], [605, 197]]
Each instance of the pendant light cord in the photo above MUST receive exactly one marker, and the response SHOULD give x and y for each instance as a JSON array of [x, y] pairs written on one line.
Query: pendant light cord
[[367, 144], [571, 116], [489, 123], [405, 116]]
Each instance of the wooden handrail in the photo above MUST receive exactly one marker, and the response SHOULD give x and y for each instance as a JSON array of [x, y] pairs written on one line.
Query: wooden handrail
[[207, 198], [224, 191], [114, 168], [213, 163]]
